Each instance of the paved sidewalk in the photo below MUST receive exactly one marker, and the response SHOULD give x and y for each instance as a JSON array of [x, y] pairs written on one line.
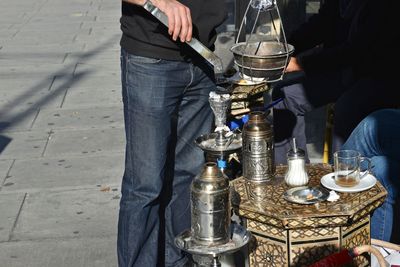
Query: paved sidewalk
[[61, 131]]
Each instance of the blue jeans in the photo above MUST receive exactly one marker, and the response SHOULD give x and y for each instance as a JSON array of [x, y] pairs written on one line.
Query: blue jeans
[[378, 137], [165, 109]]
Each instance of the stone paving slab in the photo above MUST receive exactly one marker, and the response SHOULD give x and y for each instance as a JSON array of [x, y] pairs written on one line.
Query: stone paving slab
[[25, 145], [17, 120], [90, 40], [33, 58], [10, 205], [13, 83], [106, 61], [85, 142], [34, 31], [64, 172], [45, 99], [86, 80], [43, 25], [76, 252], [107, 45], [89, 97], [111, 68], [80, 118], [32, 73], [80, 213], [7, 33]]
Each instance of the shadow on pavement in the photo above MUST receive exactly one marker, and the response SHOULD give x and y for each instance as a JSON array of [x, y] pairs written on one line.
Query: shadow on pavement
[[4, 141], [9, 120]]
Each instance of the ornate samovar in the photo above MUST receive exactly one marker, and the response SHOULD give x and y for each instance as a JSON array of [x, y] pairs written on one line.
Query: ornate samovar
[[210, 206], [212, 233], [258, 148]]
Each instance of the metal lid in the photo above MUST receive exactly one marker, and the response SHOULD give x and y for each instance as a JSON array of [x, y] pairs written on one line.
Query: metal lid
[[299, 153], [295, 152], [210, 179], [257, 123]]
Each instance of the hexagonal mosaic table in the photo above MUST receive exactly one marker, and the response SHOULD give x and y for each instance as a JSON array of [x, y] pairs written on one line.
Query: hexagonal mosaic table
[[288, 234]]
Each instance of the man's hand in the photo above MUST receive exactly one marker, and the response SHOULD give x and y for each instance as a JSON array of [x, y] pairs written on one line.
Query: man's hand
[[293, 65], [179, 19]]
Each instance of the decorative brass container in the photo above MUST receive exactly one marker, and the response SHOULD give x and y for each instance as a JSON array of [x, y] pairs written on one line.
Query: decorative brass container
[[258, 148], [210, 204]]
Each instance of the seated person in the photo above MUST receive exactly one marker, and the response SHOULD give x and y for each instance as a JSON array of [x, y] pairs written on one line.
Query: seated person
[[378, 138], [342, 55]]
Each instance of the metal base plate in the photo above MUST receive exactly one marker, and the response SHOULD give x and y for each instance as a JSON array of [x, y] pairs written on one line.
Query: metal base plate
[[239, 238], [207, 143]]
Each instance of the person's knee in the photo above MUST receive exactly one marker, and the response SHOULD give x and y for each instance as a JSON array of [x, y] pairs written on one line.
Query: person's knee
[[387, 171]]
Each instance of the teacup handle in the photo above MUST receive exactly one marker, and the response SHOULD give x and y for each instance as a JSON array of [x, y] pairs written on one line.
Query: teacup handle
[[366, 172]]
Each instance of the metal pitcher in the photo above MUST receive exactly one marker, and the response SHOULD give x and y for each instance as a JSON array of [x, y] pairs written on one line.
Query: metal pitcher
[[258, 148], [210, 206]]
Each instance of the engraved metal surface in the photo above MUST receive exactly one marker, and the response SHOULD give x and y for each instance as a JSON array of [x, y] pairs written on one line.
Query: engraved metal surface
[[258, 149], [210, 206]]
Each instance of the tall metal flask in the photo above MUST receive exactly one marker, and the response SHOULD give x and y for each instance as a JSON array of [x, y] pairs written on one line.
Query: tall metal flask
[[258, 148], [210, 206]]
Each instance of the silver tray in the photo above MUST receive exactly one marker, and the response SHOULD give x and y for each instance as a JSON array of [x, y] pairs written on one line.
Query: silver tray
[[306, 195], [240, 236]]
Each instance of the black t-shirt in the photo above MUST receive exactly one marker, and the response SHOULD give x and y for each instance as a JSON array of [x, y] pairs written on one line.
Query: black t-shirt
[[144, 35]]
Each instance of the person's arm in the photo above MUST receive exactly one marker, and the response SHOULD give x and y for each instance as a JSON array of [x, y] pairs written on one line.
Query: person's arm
[[179, 17]]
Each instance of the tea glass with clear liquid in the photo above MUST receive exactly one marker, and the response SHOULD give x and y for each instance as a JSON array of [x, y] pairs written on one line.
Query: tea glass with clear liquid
[[347, 165]]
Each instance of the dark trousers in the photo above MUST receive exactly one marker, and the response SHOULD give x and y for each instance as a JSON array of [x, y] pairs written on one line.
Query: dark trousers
[[353, 101]]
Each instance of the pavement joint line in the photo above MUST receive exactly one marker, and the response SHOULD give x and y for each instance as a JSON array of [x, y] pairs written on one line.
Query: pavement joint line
[[7, 174], [34, 119], [75, 67], [16, 219], [52, 82], [47, 142], [65, 57], [74, 38], [64, 97]]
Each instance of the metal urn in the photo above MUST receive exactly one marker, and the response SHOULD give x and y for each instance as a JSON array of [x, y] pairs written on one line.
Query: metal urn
[[210, 207], [258, 148]]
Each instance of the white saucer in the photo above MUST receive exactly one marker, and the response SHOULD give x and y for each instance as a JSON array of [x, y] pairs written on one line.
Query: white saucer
[[365, 183]]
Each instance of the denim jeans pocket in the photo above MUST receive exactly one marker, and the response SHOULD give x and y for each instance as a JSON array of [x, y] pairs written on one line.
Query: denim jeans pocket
[[142, 60]]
